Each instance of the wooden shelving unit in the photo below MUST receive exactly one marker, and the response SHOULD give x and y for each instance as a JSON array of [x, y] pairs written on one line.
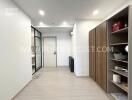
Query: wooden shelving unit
[[115, 57], [118, 40]]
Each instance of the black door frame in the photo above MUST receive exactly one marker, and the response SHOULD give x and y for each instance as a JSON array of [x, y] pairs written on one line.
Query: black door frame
[[36, 69]]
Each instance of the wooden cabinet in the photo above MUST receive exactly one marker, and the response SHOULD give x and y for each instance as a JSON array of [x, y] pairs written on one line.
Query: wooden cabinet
[[101, 55], [107, 64], [92, 52], [98, 55]]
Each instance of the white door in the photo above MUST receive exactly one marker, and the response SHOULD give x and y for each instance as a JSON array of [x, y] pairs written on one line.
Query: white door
[[50, 52]]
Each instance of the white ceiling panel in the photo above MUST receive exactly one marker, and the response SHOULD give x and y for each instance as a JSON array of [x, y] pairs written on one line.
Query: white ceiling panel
[[57, 11]]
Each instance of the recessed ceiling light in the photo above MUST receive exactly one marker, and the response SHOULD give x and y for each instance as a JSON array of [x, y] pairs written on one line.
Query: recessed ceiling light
[[95, 12], [41, 12], [64, 23], [41, 23]]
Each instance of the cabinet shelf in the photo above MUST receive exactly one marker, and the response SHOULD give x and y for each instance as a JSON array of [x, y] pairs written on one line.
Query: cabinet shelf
[[120, 72], [124, 30], [123, 61], [121, 86], [119, 44], [118, 96]]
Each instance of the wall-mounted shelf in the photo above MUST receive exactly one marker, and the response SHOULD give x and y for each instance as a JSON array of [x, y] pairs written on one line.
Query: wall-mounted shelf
[[121, 86], [124, 30], [120, 72]]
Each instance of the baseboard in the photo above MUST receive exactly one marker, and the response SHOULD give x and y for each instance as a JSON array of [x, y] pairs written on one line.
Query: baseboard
[[21, 90], [83, 76], [63, 66]]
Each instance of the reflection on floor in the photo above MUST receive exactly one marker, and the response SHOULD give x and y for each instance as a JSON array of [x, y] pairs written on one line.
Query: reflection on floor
[[60, 84], [33, 70]]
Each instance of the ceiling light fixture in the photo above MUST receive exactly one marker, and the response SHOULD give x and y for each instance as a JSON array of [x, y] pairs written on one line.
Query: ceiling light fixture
[[64, 23], [95, 12], [41, 23], [41, 12]]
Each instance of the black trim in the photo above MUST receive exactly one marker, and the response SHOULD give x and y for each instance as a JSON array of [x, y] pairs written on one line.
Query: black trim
[[41, 50], [35, 30]]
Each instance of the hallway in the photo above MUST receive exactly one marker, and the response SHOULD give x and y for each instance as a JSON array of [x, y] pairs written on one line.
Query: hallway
[[60, 84]]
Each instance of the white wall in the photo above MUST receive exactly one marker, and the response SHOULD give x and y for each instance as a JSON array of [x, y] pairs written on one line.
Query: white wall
[[80, 45], [15, 50], [63, 47]]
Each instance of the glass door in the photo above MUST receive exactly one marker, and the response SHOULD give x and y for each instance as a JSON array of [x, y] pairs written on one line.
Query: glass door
[[36, 50], [33, 50]]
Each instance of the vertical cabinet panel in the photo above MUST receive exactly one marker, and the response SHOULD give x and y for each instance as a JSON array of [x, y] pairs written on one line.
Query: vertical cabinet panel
[[92, 56], [130, 55], [101, 55], [98, 55]]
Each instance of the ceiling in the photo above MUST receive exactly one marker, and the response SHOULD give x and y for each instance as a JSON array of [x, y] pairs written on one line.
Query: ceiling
[[57, 11], [51, 30]]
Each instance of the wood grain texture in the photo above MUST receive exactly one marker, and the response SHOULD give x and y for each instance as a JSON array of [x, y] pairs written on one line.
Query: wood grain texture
[[101, 55], [92, 55]]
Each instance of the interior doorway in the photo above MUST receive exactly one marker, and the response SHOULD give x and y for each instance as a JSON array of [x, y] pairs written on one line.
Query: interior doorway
[[50, 51]]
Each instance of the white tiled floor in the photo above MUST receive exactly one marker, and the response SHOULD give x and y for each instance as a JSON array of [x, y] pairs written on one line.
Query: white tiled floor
[[60, 84]]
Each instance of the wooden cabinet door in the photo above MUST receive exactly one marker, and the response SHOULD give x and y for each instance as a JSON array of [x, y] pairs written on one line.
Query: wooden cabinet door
[[101, 55], [92, 62]]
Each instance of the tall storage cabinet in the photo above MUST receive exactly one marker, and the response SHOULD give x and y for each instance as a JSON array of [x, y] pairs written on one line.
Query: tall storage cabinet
[[98, 55], [113, 55]]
